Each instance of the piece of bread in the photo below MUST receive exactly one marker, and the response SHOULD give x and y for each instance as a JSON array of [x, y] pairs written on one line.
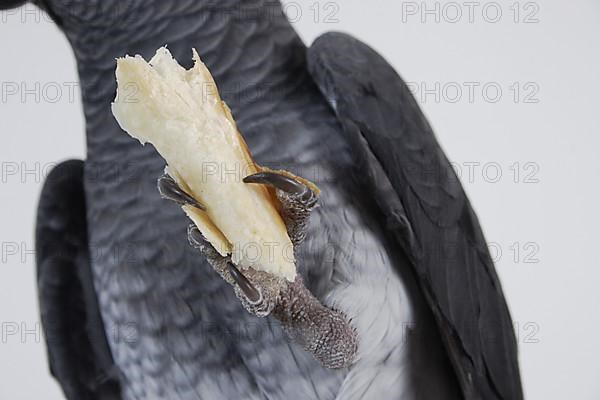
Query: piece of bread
[[180, 112]]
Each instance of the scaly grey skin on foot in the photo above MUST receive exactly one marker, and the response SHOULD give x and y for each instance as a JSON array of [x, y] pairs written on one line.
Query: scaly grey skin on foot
[[324, 332]]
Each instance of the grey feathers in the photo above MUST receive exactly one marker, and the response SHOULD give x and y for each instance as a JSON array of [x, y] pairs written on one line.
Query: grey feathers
[[175, 329]]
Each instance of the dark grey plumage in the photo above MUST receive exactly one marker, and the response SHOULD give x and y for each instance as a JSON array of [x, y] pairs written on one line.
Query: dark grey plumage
[[428, 212], [189, 340], [77, 348]]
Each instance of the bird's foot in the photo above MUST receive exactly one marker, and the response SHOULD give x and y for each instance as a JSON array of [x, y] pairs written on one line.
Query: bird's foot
[[297, 199], [326, 333]]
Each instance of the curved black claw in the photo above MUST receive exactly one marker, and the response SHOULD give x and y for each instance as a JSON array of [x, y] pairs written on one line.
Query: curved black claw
[[249, 290], [170, 190], [195, 237], [281, 182]]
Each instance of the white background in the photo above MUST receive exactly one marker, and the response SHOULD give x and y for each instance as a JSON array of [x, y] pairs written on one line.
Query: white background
[[550, 209]]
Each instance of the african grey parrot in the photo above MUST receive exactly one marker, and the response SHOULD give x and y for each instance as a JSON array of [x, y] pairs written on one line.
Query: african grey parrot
[[132, 311]]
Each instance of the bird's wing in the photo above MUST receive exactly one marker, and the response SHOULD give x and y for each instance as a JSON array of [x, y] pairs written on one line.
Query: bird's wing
[[427, 211], [77, 347]]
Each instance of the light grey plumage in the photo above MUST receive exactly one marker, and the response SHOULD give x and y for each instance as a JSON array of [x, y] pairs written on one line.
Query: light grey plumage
[[189, 338]]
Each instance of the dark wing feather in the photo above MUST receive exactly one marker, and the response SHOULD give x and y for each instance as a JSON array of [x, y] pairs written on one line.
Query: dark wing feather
[[7, 4], [78, 352], [427, 210]]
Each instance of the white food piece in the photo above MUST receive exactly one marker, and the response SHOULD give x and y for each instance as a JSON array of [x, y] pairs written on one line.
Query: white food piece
[[181, 114]]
